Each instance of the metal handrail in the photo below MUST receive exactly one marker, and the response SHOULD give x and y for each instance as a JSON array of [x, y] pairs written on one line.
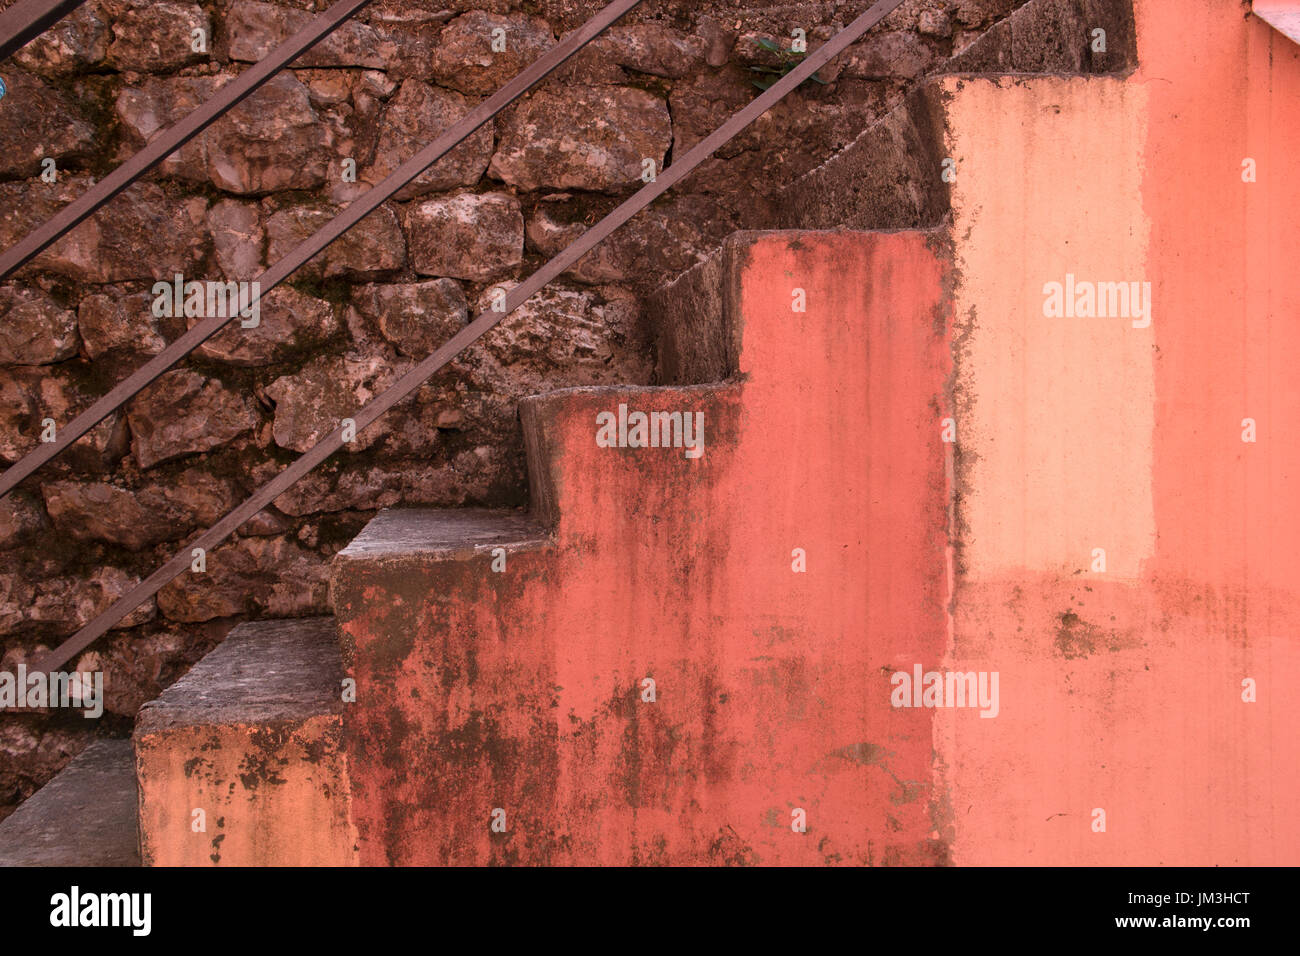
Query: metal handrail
[[412, 380], [362, 206], [28, 19], [177, 135]]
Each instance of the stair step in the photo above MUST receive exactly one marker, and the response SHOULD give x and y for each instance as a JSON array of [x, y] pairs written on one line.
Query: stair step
[[85, 816], [264, 672], [437, 630], [252, 737], [445, 534]]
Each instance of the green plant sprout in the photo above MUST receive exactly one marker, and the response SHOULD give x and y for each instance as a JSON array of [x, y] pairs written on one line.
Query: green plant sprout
[[789, 60]]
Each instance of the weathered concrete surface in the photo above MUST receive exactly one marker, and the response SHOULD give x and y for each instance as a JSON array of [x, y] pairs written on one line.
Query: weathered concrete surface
[[1055, 36], [250, 736], [1126, 699], [1228, 345], [1037, 489], [890, 176], [454, 707], [85, 816], [443, 535], [1122, 690], [234, 200], [885, 179], [522, 690]]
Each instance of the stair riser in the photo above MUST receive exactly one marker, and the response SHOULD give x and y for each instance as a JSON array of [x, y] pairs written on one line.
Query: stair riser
[[454, 712], [505, 701], [252, 738], [270, 796]]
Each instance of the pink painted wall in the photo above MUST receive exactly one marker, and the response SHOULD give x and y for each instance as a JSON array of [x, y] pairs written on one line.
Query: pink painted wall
[[1226, 510], [772, 686], [1122, 690], [1227, 272]]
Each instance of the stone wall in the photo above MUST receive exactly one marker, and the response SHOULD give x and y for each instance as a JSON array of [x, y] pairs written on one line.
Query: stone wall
[[94, 88]]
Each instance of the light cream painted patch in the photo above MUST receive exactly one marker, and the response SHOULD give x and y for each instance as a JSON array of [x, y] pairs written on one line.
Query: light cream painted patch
[[1055, 415]]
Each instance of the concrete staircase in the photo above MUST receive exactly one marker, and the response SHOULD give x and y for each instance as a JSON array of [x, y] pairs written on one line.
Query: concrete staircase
[[501, 661], [669, 659]]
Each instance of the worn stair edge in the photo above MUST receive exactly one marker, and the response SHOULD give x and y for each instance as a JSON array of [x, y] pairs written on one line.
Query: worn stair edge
[[264, 672], [408, 557], [85, 816], [252, 737], [543, 419], [443, 534]]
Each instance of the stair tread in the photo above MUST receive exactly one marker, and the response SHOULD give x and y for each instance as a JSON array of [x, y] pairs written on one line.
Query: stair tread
[[448, 533], [263, 672], [85, 816]]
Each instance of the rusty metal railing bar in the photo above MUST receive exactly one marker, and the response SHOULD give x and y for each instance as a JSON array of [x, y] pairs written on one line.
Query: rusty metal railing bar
[[28, 19], [176, 136], [412, 379], [362, 206]]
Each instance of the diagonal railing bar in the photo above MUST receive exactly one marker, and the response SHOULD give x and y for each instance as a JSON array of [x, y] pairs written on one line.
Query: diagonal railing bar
[[362, 206], [414, 378], [177, 135], [28, 19]]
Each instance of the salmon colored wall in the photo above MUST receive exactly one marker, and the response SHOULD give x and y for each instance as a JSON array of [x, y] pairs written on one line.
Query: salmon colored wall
[[1122, 691], [1229, 285], [271, 795], [772, 686], [1227, 510]]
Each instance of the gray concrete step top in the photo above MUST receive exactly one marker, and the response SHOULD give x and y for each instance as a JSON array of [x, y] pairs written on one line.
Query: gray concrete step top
[[263, 672], [85, 816], [444, 533]]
